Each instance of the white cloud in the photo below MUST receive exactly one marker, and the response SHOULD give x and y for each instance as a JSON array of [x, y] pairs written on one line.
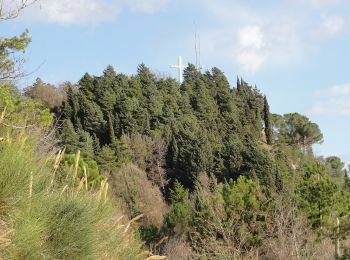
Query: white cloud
[[250, 60], [250, 53], [147, 6], [76, 12], [69, 12], [269, 44], [339, 91], [251, 37], [331, 108], [317, 3], [330, 26], [323, 2], [333, 101]]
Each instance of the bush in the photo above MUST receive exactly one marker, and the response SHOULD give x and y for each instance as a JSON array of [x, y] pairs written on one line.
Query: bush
[[139, 194], [91, 167]]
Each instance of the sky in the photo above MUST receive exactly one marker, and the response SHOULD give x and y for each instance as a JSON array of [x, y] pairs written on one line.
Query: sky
[[295, 51]]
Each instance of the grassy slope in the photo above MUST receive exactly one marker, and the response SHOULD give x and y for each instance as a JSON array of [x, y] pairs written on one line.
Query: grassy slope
[[40, 218]]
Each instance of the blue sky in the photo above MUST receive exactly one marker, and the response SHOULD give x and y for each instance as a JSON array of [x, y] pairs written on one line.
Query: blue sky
[[295, 51]]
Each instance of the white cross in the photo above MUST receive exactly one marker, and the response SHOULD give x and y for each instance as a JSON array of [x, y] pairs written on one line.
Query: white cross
[[180, 68]]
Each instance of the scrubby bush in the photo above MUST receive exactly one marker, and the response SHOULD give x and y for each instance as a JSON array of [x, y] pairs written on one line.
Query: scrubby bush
[[139, 194]]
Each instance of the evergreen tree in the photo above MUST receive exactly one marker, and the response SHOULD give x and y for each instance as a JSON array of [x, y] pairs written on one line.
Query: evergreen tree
[[122, 149], [86, 86], [179, 215], [267, 122], [317, 194], [90, 115], [302, 132], [106, 158], [69, 138], [112, 139]]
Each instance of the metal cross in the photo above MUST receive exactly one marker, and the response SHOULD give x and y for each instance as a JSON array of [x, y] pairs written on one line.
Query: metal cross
[[180, 68]]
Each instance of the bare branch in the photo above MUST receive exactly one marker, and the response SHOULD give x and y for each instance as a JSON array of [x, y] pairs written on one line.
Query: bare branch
[[14, 8]]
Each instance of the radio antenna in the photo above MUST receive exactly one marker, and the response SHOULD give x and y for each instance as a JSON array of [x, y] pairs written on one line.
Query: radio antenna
[[197, 48]]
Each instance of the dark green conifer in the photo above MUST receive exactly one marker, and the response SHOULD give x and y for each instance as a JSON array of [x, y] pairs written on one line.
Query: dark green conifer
[[267, 122]]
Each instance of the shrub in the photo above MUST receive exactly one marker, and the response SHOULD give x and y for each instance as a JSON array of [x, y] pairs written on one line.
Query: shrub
[[139, 194]]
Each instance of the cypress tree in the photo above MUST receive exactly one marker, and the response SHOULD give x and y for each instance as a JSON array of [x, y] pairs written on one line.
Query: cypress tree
[[96, 144], [238, 84], [267, 122], [112, 139]]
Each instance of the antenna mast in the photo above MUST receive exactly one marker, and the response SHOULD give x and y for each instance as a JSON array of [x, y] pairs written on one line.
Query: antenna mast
[[197, 48]]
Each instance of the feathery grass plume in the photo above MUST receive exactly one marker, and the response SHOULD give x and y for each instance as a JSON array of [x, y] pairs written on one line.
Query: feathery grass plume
[[68, 171], [61, 224], [81, 184], [16, 164], [76, 163], [56, 165], [31, 185], [64, 189], [3, 115], [4, 236], [131, 221], [102, 190], [86, 178]]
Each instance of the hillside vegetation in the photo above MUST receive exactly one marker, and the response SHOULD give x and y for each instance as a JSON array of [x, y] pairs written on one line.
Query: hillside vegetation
[[214, 174], [142, 167], [43, 216]]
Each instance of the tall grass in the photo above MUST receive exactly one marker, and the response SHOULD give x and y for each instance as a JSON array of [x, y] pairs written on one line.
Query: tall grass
[[41, 219]]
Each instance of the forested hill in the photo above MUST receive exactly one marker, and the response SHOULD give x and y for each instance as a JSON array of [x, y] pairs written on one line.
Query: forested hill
[[204, 125], [211, 171], [143, 167]]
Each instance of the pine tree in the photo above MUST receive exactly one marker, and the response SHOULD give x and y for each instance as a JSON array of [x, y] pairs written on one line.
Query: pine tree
[[90, 115], [69, 138], [71, 108], [86, 85], [180, 213], [109, 72], [107, 159], [123, 151]]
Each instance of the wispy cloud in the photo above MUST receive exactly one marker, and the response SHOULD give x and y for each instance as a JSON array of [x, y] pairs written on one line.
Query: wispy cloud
[[339, 91], [147, 6], [333, 101], [278, 37], [250, 48], [330, 26], [68, 12], [253, 40], [78, 12], [318, 3], [250, 37]]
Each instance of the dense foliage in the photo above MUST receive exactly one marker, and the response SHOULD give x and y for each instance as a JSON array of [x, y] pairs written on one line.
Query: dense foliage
[[201, 170], [206, 126], [47, 208], [216, 154]]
